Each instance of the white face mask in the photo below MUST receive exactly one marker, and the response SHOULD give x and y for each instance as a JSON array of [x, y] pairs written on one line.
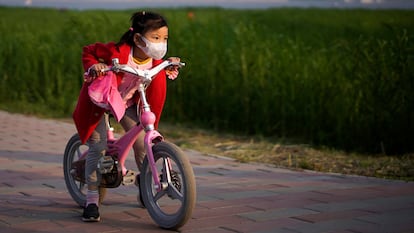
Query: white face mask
[[154, 50]]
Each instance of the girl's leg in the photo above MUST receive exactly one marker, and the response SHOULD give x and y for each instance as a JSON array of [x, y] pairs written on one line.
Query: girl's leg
[[97, 147], [129, 120]]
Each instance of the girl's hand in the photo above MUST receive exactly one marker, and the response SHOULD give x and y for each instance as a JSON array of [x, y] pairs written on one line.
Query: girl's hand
[[172, 71], [95, 71]]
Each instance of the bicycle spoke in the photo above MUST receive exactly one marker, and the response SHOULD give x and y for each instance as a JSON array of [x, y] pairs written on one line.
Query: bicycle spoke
[[174, 193], [159, 195]]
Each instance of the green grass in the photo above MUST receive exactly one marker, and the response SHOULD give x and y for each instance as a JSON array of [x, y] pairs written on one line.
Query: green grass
[[325, 77], [289, 154]]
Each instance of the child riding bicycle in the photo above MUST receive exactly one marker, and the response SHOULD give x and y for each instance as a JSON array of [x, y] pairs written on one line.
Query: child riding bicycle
[[142, 46]]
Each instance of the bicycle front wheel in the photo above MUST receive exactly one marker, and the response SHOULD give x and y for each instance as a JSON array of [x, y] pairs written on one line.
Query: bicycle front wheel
[[173, 205]]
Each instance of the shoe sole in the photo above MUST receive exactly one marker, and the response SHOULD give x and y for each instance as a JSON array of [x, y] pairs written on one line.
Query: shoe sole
[[91, 219]]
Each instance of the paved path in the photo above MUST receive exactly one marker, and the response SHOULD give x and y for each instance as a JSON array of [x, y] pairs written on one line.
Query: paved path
[[232, 197]]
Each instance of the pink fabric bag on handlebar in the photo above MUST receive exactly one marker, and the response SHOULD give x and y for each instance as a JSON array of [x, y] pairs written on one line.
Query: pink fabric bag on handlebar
[[104, 93]]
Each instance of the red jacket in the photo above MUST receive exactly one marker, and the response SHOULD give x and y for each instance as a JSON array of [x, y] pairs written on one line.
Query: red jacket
[[86, 114]]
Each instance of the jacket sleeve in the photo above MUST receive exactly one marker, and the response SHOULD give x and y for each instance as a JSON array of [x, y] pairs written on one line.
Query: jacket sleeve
[[156, 94], [97, 53]]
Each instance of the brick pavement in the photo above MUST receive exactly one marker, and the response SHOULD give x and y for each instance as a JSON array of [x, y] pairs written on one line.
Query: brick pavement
[[231, 196]]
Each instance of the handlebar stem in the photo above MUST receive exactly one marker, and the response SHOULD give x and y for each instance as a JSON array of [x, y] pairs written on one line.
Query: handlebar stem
[[147, 117]]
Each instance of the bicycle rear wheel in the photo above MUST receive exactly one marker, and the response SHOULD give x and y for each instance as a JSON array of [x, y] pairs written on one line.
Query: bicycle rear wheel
[[77, 189], [172, 207]]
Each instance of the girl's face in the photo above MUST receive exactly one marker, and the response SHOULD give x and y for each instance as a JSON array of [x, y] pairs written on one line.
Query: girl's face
[[152, 44]]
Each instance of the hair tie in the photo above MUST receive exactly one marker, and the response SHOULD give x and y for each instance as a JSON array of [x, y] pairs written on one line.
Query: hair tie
[[131, 29]]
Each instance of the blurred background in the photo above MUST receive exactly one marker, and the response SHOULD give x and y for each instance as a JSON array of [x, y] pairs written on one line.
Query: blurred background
[[328, 73], [124, 4]]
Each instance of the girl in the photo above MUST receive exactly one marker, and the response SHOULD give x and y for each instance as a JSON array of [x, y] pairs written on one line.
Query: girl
[[143, 46]]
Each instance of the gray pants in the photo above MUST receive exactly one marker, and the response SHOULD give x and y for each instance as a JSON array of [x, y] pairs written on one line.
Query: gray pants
[[97, 146]]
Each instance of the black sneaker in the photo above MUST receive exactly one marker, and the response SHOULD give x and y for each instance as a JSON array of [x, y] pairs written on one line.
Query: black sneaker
[[91, 213]]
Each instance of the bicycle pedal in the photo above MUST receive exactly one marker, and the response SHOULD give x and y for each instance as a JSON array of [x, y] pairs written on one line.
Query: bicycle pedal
[[129, 178]]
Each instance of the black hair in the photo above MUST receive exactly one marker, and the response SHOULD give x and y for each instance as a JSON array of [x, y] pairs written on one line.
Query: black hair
[[142, 22]]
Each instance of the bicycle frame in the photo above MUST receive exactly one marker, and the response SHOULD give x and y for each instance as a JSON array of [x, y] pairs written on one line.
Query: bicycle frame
[[123, 145]]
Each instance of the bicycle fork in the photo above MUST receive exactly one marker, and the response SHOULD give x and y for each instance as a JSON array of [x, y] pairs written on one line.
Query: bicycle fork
[[148, 140], [151, 136]]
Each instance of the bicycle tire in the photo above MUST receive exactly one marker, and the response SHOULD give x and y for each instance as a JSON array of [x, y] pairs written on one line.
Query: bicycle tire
[[186, 188], [77, 189]]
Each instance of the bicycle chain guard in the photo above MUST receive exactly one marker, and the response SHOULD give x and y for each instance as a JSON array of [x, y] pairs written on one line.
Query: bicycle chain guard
[[111, 178]]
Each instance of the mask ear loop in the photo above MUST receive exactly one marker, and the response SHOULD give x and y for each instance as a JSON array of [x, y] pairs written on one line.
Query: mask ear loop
[[143, 39]]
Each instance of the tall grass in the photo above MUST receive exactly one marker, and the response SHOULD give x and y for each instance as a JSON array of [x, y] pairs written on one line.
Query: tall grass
[[340, 78]]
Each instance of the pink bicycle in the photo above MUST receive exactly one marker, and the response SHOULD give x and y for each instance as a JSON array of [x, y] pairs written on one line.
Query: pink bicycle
[[166, 182]]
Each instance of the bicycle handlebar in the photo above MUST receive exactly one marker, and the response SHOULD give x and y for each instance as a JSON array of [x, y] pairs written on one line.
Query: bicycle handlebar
[[146, 75]]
